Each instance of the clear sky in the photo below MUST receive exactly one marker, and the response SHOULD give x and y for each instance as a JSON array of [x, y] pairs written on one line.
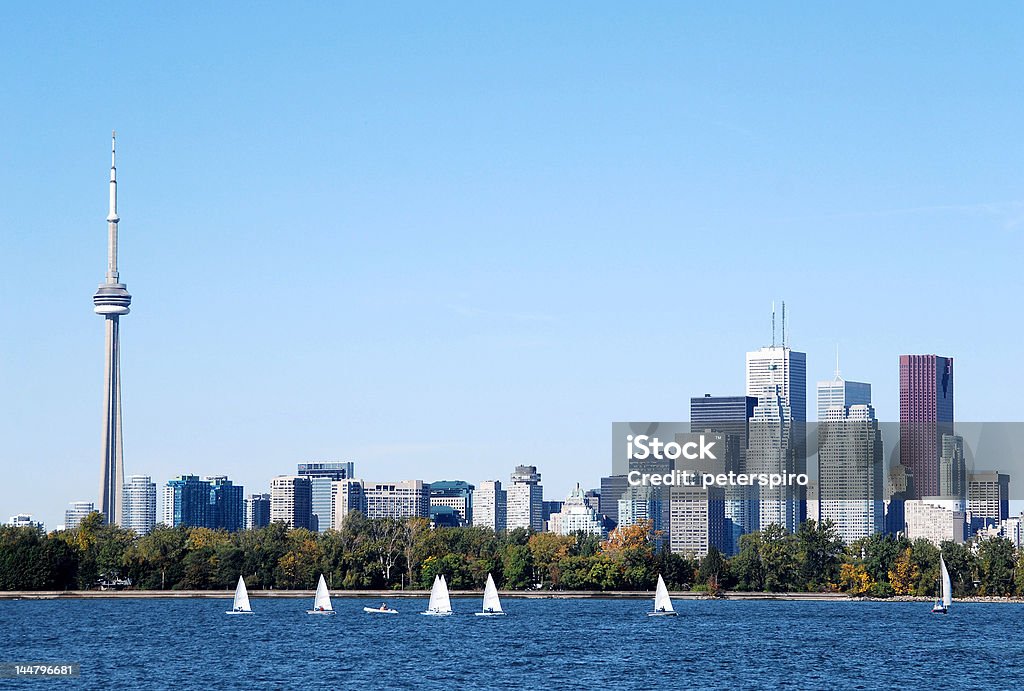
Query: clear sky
[[441, 239]]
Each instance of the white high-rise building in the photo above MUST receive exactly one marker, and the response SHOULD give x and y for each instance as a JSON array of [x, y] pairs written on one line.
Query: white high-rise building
[[988, 497], [167, 505], [936, 519], [257, 511], [697, 520], [346, 495], [771, 451], [576, 516], [782, 369], [291, 501], [404, 499], [525, 499], [779, 372], [839, 393], [138, 504], [850, 471], [490, 505], [76, 512]]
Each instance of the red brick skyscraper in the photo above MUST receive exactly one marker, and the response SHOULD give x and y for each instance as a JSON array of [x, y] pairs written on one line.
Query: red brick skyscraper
[[926, 413]]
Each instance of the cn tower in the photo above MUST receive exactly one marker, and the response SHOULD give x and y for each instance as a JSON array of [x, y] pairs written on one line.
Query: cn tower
[[111, 301]]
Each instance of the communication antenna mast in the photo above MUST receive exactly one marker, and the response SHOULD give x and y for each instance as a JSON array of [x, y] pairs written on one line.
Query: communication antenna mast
[[773, 323], [783, 323]]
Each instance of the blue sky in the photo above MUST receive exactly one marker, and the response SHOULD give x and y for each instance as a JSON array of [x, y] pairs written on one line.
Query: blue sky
[[443, 239]]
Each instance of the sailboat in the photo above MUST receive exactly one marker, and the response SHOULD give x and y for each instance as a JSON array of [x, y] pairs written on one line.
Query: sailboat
[[941, 605], [662, 602], [492, 605], [322, 602], [241, 604], [440, 604]]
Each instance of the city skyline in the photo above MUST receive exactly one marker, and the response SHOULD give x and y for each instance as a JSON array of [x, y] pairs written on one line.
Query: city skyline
[[457, 238]]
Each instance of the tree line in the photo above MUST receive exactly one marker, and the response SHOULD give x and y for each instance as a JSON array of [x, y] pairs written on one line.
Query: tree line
[[391, 554]]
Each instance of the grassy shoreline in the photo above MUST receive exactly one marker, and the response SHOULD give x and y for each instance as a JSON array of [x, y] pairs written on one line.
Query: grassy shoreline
[[512, 594]]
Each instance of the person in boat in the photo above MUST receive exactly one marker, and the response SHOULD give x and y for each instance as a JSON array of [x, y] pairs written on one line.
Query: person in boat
[[383, 607], [489, 610]]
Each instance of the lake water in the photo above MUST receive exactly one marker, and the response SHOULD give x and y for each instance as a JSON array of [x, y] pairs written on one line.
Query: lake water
[[543, 644]]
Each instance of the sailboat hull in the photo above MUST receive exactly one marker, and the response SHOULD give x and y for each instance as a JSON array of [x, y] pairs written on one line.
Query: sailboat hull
[[436, 614], [663, 614], [233, 612], [490, 614], [319, 611]]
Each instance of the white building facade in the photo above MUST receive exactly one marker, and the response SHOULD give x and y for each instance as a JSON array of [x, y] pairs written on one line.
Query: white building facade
[[138, 504], [525, 500], [490, 506]]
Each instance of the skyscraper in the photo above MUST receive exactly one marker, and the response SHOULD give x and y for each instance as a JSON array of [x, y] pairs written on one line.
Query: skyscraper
[[840, 393], [227, 504], [456, 495], [988, 498], [490, 505], [346, 496], [257, 511], [186, 502], [850, 472], [952, 467], [404, 499], [770, 451], [613, 488], [322, 475], [725, 414], [777, 376], [784, 369], [139, 504], [111, 301], [697, 520], [291, 501], [525, 499], [926, 413]]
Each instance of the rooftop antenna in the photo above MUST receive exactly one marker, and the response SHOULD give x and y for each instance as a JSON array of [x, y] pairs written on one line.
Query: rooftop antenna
[[783, 323], [773, 323], [837, 363]]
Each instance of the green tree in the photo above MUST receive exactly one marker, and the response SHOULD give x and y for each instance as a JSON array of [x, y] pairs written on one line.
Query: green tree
[[996, 567], [517, 566], [819, 551]]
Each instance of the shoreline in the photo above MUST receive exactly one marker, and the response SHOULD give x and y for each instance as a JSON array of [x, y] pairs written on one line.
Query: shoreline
[[470, 594]]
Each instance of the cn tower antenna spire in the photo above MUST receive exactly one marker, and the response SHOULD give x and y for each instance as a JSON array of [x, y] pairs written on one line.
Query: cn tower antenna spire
[[112, 218]]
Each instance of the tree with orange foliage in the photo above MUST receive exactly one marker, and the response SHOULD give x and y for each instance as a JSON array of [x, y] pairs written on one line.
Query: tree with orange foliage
[[636, 536], [903, 574]]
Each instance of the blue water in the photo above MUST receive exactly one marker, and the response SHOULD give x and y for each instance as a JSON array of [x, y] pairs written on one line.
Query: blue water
[[543, 644]]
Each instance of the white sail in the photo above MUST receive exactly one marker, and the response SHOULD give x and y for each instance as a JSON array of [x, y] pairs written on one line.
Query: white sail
[[439, 603], [662, 602], [947, 587], [241, 597], [491, 601], [323, 598]]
